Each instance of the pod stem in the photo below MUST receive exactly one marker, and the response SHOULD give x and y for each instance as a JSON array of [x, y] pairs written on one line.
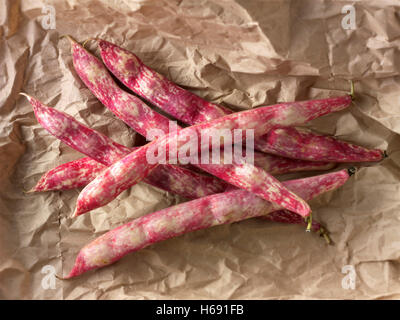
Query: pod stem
[[87, 40], [309, 222], [60, 277], [324, 233], [68, 37]]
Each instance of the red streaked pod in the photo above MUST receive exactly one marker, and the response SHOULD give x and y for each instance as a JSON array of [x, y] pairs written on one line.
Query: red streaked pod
[[70, 175], [76, 135], [280, 165], [133, 111], [191, 109], [302, 144], [157, 89], [105, 151], [217, 209]]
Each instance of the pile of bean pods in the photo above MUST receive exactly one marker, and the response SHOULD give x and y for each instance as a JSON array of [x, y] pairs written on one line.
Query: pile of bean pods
[[219, 193]]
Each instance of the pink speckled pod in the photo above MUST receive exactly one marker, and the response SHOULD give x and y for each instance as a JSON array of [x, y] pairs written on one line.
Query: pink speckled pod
[[157, 89], [103, 152], [76, 135], [133, 111], [191, 109], [315, 147], [198, 214], [70, 175]]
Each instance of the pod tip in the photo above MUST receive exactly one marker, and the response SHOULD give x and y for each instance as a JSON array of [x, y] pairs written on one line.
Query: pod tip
[[29, 191], [69, 37], [78, 268], [76, 213], [59, 277]]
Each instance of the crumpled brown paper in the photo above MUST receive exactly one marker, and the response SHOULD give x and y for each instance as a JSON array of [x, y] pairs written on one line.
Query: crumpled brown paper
[[242, 54]]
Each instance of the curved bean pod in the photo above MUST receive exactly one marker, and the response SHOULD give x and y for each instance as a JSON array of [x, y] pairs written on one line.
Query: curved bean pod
[[198, 214], [287, 141], [70, 175]]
